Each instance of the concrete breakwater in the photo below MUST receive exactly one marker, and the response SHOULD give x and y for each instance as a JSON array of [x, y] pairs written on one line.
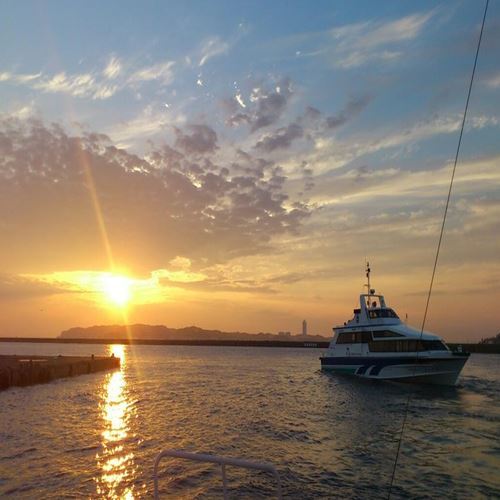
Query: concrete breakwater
[[30, 370]]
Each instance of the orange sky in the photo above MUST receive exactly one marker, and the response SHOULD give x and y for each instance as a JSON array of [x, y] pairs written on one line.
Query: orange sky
[[239, 178]]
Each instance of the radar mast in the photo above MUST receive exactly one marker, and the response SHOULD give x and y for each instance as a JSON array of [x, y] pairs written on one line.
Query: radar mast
[[371, 291]]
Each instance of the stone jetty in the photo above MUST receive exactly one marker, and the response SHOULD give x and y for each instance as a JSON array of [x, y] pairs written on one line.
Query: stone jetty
[[30, 370]]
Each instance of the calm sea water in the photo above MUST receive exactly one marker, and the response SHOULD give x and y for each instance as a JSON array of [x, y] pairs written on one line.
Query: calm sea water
[[329, 436]]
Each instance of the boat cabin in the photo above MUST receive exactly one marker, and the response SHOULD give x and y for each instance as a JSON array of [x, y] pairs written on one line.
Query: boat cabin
[[373, 311], [376, 328]]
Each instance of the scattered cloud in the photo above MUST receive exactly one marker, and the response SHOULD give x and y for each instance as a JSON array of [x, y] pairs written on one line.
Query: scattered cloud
[[202, 139], [240, 100], [178, 276], [21, 112], [21, 287], [56, 188], [281, 138], [352, 108], [266, 108], [180, 263]]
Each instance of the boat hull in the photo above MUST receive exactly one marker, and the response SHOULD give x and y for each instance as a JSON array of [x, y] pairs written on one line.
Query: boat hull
[[429, 370]]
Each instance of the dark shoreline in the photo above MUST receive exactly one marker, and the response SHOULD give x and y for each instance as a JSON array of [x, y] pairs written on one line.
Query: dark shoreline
[[240, 343], [475, 348]]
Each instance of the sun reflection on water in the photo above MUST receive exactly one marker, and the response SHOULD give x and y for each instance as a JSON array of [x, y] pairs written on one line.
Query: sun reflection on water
[[115, 461]]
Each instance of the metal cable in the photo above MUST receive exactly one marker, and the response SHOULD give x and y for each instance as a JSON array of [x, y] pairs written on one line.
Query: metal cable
[[440, 240]]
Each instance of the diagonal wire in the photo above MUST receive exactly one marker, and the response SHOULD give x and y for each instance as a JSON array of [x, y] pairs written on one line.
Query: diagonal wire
[[440, 238]]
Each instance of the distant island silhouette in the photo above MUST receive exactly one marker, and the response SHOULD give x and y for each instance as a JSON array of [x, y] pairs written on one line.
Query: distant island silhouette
[[161, 332]]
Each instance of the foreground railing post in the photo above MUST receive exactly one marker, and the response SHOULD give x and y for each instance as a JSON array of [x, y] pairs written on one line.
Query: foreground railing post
[[222, 461]]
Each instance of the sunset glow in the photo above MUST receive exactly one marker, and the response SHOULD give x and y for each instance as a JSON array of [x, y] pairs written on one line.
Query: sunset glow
[[117, 289]]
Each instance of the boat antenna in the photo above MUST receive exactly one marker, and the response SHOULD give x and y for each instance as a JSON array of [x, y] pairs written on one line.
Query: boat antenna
[[441, 235], [368, 271]]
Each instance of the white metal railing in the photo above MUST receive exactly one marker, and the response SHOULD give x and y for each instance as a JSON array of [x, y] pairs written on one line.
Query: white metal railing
[[215, 459]]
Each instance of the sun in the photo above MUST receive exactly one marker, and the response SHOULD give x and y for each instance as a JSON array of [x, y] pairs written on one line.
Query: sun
[[116, 289]]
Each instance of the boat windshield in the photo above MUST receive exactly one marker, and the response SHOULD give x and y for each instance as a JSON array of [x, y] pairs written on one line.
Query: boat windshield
[[382, 313]]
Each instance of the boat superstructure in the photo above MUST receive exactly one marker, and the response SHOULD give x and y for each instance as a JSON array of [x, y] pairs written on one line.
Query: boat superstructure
[[376, 344]]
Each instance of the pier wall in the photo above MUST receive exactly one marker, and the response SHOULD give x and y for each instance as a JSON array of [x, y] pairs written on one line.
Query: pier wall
[[30, 370], [479, 348]]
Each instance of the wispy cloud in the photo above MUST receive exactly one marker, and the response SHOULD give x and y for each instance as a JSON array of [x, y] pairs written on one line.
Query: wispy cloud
[[79, 85], [362, 185], [212, 47], [95, 84], [163, 72], [331, 153], [240, 101], [7, 76], [113, 68], [492, 82], [359, 43], [150, 121]]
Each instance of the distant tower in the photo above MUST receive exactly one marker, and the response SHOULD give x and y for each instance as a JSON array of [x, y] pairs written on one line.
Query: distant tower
[[304, 327]]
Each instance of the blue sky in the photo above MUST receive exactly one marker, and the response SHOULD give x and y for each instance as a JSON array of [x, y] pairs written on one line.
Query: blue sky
[[336, 119]]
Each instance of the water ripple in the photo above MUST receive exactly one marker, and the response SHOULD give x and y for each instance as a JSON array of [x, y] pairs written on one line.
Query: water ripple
[[329, 436]]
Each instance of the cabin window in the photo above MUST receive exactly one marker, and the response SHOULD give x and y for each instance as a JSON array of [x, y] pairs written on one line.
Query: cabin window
[[394, 346], [345, 338], [366, 337], [385, 333], [391, 314], [363, 337], [434, 345], [354, 338]]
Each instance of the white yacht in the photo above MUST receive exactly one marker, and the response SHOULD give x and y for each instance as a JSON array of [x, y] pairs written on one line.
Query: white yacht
[[376, 344]]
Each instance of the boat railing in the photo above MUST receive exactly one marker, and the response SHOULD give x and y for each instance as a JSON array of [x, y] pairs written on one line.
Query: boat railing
[[216, 459]]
